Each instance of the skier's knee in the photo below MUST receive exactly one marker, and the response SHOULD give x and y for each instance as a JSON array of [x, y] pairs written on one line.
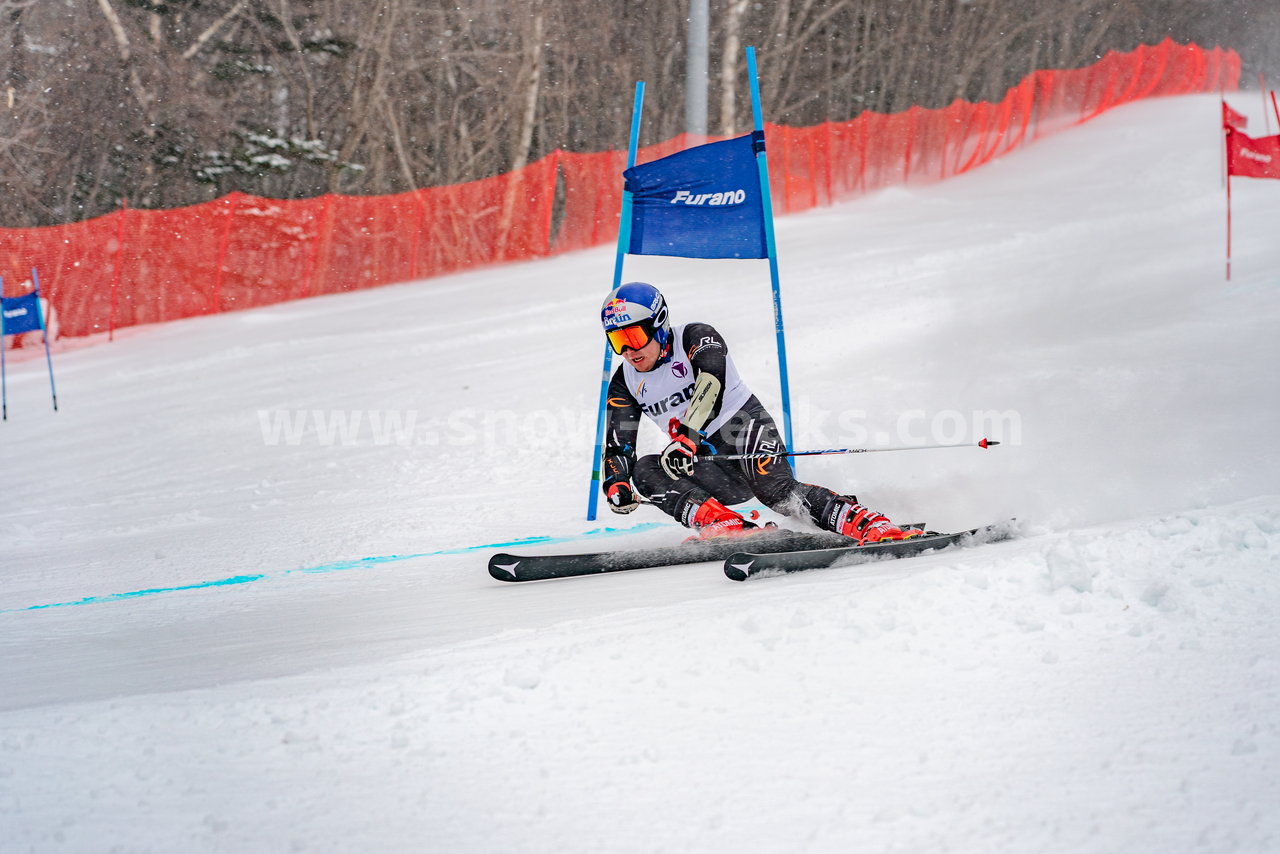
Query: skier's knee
[[778, 493], [648, 476]]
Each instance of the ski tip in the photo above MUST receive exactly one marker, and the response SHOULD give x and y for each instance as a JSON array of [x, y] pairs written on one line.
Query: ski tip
[[737, 567], [503, 567]]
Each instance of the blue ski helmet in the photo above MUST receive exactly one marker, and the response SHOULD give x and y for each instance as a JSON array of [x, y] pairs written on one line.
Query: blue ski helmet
[[633, 315]]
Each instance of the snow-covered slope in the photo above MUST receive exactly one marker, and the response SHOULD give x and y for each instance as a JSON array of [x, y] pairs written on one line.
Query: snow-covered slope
[[227, 625]]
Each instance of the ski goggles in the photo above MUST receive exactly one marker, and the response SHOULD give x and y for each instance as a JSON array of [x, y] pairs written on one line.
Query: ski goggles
[[635, 336]]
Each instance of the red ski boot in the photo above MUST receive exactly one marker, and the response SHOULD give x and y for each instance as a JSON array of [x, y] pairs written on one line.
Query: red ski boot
[[867, 526], [712, 519]]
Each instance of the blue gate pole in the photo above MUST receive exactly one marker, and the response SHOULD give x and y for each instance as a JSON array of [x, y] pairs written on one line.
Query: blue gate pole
[[762, 165], [624, 242], [44, 331]]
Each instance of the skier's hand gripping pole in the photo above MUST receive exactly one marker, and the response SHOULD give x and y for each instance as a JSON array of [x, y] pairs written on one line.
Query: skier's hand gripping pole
[[621, 498], [618, 493]]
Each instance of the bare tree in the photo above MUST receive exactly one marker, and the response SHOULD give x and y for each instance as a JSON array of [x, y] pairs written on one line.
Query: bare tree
[[733, 13], [530, 79], [172, 102]]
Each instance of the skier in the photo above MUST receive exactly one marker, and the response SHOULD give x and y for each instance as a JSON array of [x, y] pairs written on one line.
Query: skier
[[685, 381]]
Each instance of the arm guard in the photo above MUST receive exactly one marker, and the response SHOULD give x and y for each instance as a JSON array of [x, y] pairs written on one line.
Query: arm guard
[[708, 354], [703, 404]]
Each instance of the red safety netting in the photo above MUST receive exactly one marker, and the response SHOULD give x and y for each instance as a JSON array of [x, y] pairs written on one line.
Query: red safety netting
[[240, 251], [817, 165]]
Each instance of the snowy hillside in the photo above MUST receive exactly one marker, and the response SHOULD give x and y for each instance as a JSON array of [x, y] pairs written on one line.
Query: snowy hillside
[[244, 605]]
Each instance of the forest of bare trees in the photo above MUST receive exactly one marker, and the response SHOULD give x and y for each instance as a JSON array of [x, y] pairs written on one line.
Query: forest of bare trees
[[171, 102]]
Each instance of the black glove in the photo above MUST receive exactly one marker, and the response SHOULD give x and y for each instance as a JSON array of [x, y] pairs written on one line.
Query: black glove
[[677, 458], [620, 497], [617, 484]]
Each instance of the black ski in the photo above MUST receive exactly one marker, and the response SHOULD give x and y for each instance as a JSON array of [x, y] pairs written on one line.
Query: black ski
[[743, 565], [509, 567]]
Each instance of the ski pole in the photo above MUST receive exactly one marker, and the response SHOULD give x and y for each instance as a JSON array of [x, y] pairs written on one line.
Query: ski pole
[[985, 443]]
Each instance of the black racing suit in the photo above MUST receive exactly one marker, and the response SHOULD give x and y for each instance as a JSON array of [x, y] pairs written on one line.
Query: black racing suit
[[750, 430]]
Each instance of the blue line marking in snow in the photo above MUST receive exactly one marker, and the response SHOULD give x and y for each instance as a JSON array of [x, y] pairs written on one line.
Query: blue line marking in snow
[[135, 594], [343, 565]]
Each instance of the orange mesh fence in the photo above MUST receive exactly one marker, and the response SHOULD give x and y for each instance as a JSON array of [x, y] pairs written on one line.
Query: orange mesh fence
[[817, 165], [240, 251]]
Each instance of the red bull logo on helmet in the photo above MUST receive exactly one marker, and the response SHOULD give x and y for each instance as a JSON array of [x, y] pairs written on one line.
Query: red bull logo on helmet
[[616, 312]]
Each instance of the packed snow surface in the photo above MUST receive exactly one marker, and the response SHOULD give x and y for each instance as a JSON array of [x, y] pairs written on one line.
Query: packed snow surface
[[244, 604]]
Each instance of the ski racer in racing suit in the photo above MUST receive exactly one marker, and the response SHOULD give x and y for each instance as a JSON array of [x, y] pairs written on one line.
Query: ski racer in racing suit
[[684, 380]]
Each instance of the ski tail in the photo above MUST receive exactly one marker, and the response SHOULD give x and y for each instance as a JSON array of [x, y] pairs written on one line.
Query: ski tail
[[743, 565]]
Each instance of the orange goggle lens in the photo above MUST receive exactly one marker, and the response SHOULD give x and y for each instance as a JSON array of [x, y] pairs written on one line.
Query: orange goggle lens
[[634, 337]]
